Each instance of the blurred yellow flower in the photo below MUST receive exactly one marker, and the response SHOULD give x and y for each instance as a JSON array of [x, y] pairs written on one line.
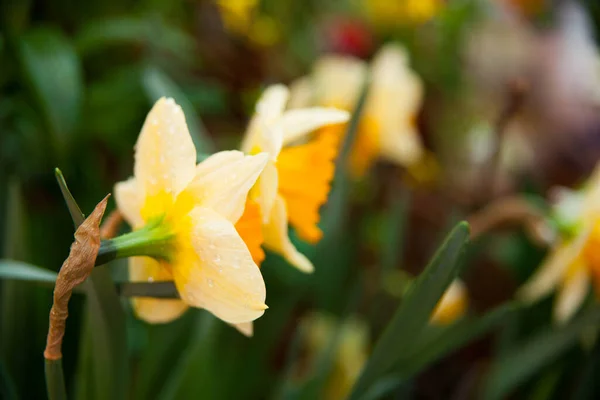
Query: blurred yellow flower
[[296, 180], [574, 263], [387, 126], [237, 14], [452, 305], [389, 13], [350, 354], [195, 208]]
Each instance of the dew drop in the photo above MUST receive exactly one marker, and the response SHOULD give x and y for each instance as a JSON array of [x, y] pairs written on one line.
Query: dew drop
[[150, 279], [210, 283]]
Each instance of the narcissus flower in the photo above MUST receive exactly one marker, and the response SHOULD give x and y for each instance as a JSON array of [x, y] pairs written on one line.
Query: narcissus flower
[[296, 180], [452, 305], [189, 212], [387, 126], [574, 263]]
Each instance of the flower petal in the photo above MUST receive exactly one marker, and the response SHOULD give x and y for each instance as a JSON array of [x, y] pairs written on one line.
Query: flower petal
[[217, 273], [249, 227], [245, 328], [129, 202], [302, 93], [154, 311], [165, 156], [225, 188], [401, 147], [305, 174], [265, 191], [452, 305], [552, 270], [260, 135], [216, 161], [572, 293], [277, 239], [298, 123], [339, 81]]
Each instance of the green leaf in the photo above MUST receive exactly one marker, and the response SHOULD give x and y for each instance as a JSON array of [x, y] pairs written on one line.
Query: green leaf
[[511, 369], [17, 270], [108, 335], [158, 84], [52, 71], [438, 341], [76, 214], [55, 380], [412, 316]]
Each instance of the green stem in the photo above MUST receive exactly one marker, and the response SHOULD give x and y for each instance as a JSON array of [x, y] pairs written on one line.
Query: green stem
[[55, 380], [154, 240]]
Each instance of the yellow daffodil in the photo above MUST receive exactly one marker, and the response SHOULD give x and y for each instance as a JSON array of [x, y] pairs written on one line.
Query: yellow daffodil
[[351, 352], [192, 209], [574, 263], [296, 180], [387, 126], [389, 14], [452, 305]]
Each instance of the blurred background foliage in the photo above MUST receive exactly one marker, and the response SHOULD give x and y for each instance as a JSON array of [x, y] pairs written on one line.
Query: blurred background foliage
[[78, 78]]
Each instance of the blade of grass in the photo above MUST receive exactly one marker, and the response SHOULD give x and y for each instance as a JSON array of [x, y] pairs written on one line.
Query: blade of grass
[[76, 214], [414, 312], [513, 368]]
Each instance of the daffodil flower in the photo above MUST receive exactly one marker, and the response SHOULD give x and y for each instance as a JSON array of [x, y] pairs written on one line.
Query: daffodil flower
[[387, 126], [452, 305], [574, 263], [189, 211], [296, 180]]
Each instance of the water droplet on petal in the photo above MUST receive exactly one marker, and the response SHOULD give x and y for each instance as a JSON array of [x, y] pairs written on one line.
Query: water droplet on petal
[[210, 282]]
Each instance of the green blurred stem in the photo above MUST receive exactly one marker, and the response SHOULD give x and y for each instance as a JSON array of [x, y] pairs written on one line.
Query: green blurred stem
[[154, 240], [55, 380]]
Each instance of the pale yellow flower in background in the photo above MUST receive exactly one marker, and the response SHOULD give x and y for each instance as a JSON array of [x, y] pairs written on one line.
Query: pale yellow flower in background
[[296, 180], [453, 304], [389, 13], [350, 354], [574, 263], [196, 207], [387, 126]]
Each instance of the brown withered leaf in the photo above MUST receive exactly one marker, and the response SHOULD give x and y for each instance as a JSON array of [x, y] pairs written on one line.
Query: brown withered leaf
[[111, 225], [76, 268]]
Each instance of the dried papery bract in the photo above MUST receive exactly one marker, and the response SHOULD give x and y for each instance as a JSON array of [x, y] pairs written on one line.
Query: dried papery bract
[[76, 268], [111, 225]]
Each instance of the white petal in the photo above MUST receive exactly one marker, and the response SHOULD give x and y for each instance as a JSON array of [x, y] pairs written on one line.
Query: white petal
[[401, 147], [225, 188], [245, 328], [155, 311], [265, 191], [572, 294], [165, 156], [302, 93], [129, 202], [220, 276], [552, 270], [272, 103], [338, 81], [298, 123], [217, 160], [277, 239]]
